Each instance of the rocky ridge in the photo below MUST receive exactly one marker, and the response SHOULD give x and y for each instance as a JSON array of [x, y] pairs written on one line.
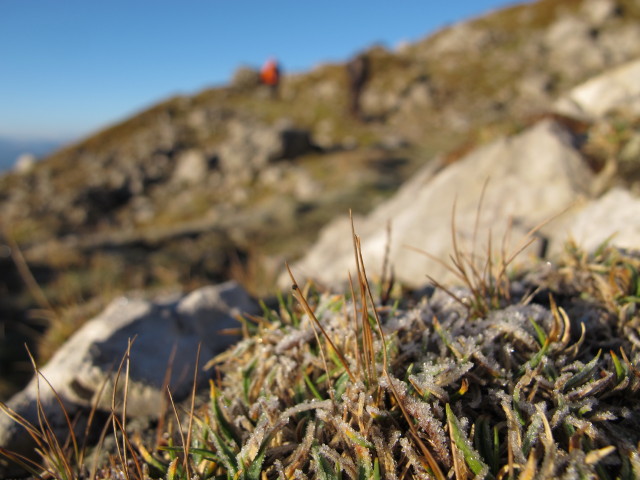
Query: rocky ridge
[[541, 180]]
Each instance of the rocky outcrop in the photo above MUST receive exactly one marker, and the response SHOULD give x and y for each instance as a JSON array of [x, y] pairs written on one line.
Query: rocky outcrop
[[584, 41], [531, 177], [251, 148], [24, 163], [615, 89], [164, 334], [611, 219], [546, 170], [559, 45], [192, 166]]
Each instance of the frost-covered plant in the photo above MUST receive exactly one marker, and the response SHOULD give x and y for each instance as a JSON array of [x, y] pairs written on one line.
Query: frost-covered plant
[[343, 387]]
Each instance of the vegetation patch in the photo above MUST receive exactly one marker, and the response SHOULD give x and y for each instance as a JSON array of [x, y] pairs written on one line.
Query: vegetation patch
[[534, 377]]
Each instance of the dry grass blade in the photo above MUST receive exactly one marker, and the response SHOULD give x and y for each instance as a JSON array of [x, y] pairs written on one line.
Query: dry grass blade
[[529, 238], [314, 325], [164, 408], [92, 413], [550, 448], [466, 264], [387, 277], [187, 445], [16, 417], [58, 460], [303, 301], [367, 334], [529, 470], [431, 462], [27, 464], [595, 456], [560, 316], [24, 462], [439, 261], [119, 426], [358, 352], [100, 443], [27, 276], [476, 223], [488, 281], [366, 327], [457, 257], [54, 451]]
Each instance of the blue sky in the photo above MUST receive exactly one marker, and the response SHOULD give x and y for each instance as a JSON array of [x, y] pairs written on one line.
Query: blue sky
[[71, 67]]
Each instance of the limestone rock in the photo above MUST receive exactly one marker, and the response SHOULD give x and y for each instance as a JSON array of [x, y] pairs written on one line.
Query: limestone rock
[[572, 48], [458, 37], [165, 334], [599, 11], [612, 218], [250, 148], [192, 167], [533, 176], [618, 88], [24, 163]]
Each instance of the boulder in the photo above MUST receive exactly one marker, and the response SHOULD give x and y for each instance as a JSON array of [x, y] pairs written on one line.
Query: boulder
[[532, 177], [599, 11], [250, 148], [612, 218], [618, 88], [165, 335], [25, 163], [571, 47], [192, 166]]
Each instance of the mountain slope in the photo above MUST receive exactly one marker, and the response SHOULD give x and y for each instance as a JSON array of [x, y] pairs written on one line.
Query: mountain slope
[[228, 182]]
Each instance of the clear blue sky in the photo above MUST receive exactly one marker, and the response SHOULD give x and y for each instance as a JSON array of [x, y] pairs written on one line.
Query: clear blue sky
[[70, 67]]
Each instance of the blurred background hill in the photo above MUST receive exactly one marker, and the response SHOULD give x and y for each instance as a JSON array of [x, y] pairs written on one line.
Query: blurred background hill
[[73, 69], [229, 182]]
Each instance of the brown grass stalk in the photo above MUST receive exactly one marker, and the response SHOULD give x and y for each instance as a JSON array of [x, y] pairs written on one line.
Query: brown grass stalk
[[431, 462], [305, 305], [27, 277], [187, 445]]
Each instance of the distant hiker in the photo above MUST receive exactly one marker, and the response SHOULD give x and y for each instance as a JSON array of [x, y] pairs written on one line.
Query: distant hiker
[[270, 76], [358, 71]]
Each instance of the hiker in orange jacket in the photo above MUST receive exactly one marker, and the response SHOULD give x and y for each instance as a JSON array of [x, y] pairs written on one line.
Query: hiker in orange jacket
[[270, 76]]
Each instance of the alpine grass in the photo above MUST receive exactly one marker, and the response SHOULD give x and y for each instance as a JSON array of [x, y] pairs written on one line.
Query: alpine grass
[[542, 381], [344, 387]]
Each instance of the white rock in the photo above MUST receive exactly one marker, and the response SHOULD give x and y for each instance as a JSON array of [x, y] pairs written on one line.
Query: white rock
[[165, 336], [618, 88], [24, 163], [572, 48], [598, 11], [191, 167], [613, 218], [533, 176]]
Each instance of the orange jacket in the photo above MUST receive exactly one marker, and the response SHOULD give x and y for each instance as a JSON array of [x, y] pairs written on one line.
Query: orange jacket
[[270, 74]]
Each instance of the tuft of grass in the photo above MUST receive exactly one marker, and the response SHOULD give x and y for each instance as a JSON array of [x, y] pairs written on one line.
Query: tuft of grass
[[485, 276], [343, 387], [59, 457]]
